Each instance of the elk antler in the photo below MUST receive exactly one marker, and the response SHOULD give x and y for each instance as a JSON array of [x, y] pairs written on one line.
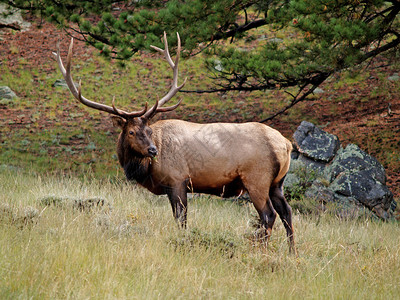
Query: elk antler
[[174, 87], [66, 72]]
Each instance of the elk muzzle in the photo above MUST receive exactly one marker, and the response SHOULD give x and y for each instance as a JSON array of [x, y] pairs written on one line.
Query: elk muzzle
[[152, 151]]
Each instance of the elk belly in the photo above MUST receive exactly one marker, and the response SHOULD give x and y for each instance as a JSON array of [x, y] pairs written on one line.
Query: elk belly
[[229, 189]]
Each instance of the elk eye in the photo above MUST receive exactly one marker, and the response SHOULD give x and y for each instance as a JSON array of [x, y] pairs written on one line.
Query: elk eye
[[131, 132]]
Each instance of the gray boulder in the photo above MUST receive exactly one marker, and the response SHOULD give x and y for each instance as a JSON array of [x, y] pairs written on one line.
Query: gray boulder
[[354, 173], [11, 18], [63, 83], [314, 143], [320, 192], [348, 180], [394, 77], [59, 82], [6, 93], [352, 159], [342, 206], [318, 91]]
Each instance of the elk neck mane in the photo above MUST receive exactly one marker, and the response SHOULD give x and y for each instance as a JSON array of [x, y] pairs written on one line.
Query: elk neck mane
[[136, 166], [137, 169]]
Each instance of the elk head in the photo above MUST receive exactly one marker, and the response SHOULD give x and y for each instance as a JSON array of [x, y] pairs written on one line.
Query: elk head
[[136, 133]]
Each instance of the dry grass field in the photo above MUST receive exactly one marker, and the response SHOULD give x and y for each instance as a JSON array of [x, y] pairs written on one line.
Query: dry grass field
[[64, 238]]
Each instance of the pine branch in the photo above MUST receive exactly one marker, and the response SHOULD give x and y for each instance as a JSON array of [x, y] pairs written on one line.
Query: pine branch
[[384, 48], [239, 29], [299, 97]]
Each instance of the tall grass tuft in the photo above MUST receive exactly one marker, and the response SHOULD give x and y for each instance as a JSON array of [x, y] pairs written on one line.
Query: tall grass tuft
[[129, 247]]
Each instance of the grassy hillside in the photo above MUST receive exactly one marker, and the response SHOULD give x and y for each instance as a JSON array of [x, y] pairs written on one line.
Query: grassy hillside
[[46, 130], [131, 248]]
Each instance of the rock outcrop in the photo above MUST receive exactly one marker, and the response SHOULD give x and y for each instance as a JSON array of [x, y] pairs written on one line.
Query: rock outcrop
[[348, 179], [6, 93], [11, 18]]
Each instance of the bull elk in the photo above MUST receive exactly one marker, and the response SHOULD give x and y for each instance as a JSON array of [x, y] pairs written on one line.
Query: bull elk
[[175, 157]]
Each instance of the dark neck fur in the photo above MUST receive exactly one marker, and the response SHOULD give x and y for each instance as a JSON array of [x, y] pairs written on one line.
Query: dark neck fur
[[135, 165], [137, 169]]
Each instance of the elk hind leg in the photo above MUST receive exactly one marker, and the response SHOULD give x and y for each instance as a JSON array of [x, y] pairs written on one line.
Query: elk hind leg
[[265, 209], [284, 211]]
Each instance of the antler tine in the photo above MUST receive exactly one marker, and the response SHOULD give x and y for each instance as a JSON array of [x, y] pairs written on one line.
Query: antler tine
[[155, 109], [58, 58], [170, 108], [66, 72], [174, 87], [152, 111], [166, 50]]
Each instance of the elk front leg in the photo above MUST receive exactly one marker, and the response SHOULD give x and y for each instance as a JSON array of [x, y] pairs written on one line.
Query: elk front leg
[[178, 198]]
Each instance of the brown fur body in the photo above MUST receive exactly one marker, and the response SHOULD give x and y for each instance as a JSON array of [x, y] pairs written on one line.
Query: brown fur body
[[211, 156], [223, 159]]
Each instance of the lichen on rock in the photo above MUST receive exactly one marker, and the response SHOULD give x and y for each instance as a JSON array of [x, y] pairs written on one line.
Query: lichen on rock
[[314, 143], [353, 180]]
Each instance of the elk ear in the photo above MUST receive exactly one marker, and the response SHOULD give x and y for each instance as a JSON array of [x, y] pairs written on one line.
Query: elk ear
[[118, 121]]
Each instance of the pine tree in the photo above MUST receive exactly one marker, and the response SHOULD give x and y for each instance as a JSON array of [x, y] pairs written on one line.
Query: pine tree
[[319, 37]]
